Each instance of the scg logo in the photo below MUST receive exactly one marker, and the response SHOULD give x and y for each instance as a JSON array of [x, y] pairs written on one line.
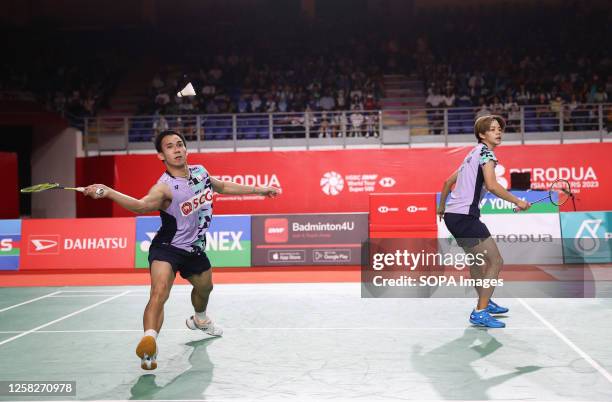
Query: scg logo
[[186, 208]]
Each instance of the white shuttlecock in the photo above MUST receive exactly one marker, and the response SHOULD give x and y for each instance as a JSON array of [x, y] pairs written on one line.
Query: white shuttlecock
[[187, 91]]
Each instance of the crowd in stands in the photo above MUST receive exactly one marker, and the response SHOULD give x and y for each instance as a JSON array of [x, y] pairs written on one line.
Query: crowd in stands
[[545, 58], [490, 59], [239, 84], [60, 72]]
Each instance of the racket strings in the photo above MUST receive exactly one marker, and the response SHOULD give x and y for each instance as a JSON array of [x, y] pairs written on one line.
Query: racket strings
[[39, 187], [560, 192]]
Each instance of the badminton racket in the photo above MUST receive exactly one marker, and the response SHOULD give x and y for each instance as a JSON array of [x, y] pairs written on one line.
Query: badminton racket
[[560, 191], [37, 188]]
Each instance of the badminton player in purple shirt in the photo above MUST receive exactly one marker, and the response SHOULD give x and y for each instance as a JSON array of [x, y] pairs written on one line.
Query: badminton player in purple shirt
[[461, 213], [183, 196]]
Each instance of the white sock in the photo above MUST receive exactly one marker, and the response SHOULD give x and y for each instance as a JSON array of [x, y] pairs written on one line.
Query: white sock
[[201, 316], [479, 311], [151, 332]]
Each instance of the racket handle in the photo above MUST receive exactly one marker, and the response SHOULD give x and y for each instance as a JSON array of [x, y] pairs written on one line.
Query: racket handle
[[79, 189]]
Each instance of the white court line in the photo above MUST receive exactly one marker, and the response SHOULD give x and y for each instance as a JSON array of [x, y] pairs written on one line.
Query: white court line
[[571, 344], [87, 295], [62, 318], [340, 399], [275, 329], [90, 291], [30, 301]]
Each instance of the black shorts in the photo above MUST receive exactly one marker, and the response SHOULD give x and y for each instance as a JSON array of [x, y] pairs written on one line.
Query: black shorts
[[185, 262], [468, 230]]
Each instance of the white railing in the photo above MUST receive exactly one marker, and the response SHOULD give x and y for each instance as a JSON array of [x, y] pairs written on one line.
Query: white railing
[[413, 126]]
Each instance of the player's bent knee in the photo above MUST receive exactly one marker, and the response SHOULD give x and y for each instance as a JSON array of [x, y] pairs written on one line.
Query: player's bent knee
[[206, 289], [160, 294], [498, 261]]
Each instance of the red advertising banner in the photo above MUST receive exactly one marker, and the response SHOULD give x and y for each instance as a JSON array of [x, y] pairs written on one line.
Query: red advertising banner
[[340, 181], [310, 239], [77, 243], [9, 201], [403, 212]]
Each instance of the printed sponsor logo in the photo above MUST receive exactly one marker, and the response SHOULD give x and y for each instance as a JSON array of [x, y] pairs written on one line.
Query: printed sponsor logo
[[413, 208], [261, 180], [332, 256], [332, 183], [383, 209], [587, 241], [523, 238], [146, 244], [578, 176], [387, 182], [286, 256], [186, 208], [500, 170], [6, 245], [223, 241], [96, 243], [43, 244], [276, 230], [196, 202], [51, 244], [323, 226]]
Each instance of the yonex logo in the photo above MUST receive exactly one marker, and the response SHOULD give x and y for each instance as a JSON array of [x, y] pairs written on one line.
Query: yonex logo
[[332, 183], [43, 244], [387, 182], [146, 244]]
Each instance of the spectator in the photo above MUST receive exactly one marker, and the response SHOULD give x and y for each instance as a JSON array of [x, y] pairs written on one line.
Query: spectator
[[356, 123]]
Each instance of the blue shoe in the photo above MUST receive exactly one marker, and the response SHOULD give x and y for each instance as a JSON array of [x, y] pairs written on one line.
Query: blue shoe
[[484, 319], [494, 308]]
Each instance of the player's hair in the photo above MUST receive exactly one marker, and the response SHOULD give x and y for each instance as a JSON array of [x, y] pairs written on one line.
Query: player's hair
[[483, 124], [159, 137]]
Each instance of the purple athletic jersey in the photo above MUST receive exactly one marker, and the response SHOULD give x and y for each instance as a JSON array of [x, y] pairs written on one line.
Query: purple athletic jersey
[[186, 221], [469, 190]]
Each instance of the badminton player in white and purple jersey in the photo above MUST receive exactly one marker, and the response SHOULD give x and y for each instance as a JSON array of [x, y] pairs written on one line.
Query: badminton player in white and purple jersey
[[461, 212], [184, 198]]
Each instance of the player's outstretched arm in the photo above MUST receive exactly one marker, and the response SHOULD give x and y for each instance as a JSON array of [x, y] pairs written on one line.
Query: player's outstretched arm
[[229, 187], [153, 201], [493, 186]]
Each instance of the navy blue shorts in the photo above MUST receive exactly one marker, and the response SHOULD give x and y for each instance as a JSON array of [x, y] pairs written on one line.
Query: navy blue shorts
[[186, 263], [468, 230]]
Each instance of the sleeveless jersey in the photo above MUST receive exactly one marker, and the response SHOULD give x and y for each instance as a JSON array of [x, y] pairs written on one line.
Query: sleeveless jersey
[[469, 190], [187, 219]]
